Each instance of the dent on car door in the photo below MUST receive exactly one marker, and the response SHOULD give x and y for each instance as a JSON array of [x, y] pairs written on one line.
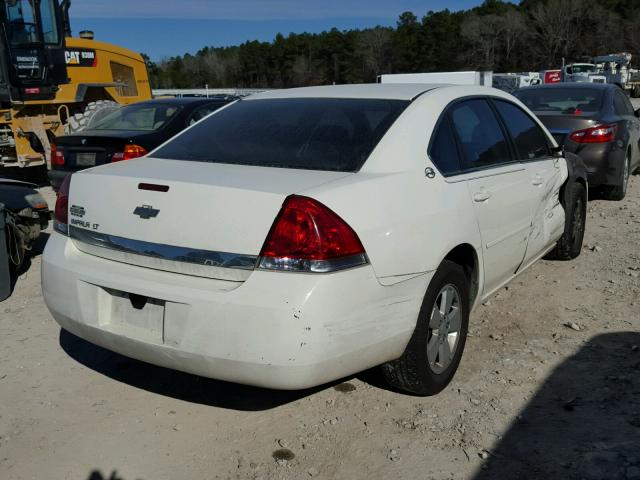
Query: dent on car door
[[497, 189], [545, 173]]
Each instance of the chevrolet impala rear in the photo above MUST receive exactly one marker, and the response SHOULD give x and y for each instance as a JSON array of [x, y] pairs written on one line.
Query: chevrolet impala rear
[[299, 236]]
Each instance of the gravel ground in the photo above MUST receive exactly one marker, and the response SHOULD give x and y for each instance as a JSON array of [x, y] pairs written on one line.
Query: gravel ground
[[549, 387]]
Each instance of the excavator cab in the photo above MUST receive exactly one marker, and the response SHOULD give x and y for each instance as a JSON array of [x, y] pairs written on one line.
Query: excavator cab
[[32, 47]]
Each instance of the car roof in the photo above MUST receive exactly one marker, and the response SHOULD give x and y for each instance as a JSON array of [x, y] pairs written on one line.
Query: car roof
[[386, 91], [184, 101]]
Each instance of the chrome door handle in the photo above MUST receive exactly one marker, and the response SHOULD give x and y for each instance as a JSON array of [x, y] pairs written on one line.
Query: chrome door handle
[[537, 181], [482, 196]]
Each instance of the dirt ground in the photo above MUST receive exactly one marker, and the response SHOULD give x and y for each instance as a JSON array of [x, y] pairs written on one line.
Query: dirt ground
[[549, 387]]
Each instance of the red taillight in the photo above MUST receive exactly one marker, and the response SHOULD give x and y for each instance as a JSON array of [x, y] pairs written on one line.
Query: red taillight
[[307, 236], [598, 134], [61, 212], [130, 152], [57, 155]]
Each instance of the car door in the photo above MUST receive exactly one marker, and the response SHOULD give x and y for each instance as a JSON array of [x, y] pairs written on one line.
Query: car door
[[544, 173], [497, 186], [624, 109]]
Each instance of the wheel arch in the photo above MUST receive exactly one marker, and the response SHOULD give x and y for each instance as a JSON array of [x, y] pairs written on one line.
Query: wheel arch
[[468, 258]]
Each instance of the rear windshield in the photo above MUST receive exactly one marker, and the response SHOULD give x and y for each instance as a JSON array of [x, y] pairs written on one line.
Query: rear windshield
[[563, 100], [305, 133], [143, 117]]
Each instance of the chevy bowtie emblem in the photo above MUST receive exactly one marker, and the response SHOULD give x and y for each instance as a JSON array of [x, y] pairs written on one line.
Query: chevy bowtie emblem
[[146, 211], [83, 141]]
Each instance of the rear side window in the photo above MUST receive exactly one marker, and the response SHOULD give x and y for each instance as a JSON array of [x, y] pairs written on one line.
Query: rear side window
[[622, 104], [531, 141], [443, 150], [481, 138], [306, 133]]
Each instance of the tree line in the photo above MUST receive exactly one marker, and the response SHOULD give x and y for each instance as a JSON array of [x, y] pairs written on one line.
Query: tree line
[[498, 36]]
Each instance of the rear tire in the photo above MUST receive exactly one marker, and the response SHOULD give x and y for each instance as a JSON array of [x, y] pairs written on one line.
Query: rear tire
[[619, 191], [91, 113], [433, 354], [570, 244]]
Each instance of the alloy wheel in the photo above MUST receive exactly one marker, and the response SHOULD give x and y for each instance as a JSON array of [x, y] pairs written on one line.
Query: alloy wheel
[[444, 329]]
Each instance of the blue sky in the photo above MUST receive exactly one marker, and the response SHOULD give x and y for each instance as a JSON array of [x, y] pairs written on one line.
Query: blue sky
[[164, 28]]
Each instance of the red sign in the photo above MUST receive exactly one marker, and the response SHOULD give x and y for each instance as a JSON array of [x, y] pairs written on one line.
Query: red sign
[[552, 76]]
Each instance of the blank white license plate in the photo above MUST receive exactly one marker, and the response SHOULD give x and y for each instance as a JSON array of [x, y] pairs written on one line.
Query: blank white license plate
[[85, 159], [142, 321]]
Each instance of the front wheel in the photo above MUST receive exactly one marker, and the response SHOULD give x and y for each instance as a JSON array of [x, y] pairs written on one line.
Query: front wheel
[[433, 354], [569, 245]]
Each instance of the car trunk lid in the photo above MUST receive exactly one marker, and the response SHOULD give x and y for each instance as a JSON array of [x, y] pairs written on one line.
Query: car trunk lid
[[196, 218], [560, 125], [95, 147]]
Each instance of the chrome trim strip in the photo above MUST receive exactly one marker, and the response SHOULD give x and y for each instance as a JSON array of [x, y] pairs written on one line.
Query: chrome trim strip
[[172, 253]]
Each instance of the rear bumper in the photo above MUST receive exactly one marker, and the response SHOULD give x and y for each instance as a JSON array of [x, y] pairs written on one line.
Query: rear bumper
[[603, 162], [276, 330]]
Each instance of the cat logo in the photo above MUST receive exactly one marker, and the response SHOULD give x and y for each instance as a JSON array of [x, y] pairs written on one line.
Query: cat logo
[[79, 57]]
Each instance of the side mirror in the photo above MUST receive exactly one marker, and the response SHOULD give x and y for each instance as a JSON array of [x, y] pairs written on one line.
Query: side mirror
[[637, 113], [558, 151]]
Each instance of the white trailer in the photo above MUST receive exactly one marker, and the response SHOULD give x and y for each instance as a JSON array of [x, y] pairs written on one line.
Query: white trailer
[[452, 78], [510, 82]]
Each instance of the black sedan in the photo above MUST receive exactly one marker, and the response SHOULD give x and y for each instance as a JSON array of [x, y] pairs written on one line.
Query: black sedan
[[129, 132], [595, 121]]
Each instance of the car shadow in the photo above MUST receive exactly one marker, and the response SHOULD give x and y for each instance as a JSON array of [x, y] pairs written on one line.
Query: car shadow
[[583, 423], [175, 384]]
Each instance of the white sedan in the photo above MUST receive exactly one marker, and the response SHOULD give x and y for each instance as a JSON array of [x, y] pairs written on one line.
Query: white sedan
[[299, 236]]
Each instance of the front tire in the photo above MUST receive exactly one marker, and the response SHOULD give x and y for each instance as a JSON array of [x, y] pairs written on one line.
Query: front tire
[[570, 244], [619, 191], [433, 354]]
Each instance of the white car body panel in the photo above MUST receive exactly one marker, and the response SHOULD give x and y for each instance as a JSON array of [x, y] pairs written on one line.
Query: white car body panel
[[285, 329]]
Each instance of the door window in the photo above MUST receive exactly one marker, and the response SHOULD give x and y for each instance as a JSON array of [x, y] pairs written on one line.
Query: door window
[[531, 142], [443, 150], [22, 25], [49, 23], [481, 138]]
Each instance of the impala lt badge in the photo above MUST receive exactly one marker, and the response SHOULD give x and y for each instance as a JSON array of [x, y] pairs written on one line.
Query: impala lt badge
[[146, 212]]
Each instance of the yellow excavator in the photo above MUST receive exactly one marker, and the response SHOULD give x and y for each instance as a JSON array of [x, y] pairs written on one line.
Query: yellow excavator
[[52, 83]]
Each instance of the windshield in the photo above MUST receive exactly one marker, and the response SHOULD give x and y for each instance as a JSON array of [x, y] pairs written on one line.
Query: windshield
[[307, 133], [582, 69], [142, 117], [565, 100], [22, 21]]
